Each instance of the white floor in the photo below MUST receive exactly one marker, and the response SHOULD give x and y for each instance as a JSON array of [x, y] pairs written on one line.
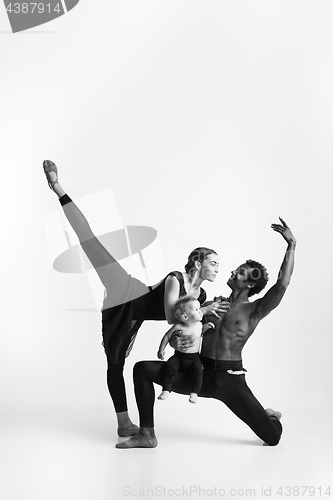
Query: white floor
[[68, 452], [58, 428]]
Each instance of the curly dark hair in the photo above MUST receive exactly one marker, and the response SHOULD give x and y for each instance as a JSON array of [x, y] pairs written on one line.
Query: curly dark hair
[[258, 275], [180, 306], [198, 254]]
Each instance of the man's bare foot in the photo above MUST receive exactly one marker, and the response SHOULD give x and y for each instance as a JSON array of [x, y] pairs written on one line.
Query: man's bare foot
[[193, 397], [145, 439], [164, 395], [130, 430], [273, 413]]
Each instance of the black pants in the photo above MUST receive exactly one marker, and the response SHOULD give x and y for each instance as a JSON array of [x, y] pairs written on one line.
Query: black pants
[[116, 316], [231, 389], [182, 361]]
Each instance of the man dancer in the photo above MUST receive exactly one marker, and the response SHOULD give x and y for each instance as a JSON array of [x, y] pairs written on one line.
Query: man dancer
[[224, 377]]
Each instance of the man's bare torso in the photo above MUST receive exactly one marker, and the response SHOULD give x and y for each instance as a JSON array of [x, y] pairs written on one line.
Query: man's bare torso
[[231, 332]]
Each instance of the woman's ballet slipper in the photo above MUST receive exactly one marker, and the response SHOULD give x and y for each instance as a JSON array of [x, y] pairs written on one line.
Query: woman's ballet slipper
[[138, 441], [132, 430], [48, 167]]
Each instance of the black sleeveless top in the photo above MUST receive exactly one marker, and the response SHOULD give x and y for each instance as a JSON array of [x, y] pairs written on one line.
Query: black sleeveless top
[[151, 305]]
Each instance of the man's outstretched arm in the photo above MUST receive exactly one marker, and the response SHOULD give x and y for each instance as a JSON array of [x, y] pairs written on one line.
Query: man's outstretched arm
[[274, 295]]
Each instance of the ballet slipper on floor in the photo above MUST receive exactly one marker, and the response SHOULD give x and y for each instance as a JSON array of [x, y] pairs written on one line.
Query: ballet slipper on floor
[[132, 430]]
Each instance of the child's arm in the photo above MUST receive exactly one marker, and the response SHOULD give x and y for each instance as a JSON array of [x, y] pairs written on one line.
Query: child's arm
[[165, 341], [207, 326]]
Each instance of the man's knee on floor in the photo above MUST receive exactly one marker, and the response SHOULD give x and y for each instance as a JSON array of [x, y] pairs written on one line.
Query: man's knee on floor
[[273, 442]]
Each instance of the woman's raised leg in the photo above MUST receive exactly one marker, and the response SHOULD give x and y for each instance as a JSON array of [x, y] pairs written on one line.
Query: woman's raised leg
[[103, 263], [95, 251]]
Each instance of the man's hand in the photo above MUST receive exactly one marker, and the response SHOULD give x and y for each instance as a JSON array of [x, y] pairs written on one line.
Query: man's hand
[[160, 355], [181, 342], [273, 297], [285, 231]]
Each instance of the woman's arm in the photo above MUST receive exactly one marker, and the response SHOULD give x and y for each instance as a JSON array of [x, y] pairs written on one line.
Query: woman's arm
[[216, 307], [171, 295]]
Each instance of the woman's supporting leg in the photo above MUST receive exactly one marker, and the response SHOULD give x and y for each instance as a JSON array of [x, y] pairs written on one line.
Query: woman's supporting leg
[[144, 374], [116, 386]]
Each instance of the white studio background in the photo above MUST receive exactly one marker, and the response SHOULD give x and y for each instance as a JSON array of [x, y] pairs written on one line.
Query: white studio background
[[208, 120]]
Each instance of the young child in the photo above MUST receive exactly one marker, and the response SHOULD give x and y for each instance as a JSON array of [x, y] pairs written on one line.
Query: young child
[[187, 311]]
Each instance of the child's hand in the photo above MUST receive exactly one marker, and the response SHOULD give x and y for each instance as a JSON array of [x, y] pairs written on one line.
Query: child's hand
[[160, 355], [207, 326]]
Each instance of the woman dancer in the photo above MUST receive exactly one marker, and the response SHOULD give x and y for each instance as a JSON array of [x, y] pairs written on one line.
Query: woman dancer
[[128, 302]]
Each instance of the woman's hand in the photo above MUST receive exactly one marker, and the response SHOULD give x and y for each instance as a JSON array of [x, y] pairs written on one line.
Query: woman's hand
[[181, 342], [220, 306]]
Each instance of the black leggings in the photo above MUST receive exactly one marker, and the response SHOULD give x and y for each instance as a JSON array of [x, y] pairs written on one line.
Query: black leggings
[[231, 389], [116, 386], [182, 361], [101, 260]]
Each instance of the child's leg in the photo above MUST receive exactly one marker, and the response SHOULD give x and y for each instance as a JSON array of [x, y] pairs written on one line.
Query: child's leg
[[164, 395], [196, 372], [171, 367]]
